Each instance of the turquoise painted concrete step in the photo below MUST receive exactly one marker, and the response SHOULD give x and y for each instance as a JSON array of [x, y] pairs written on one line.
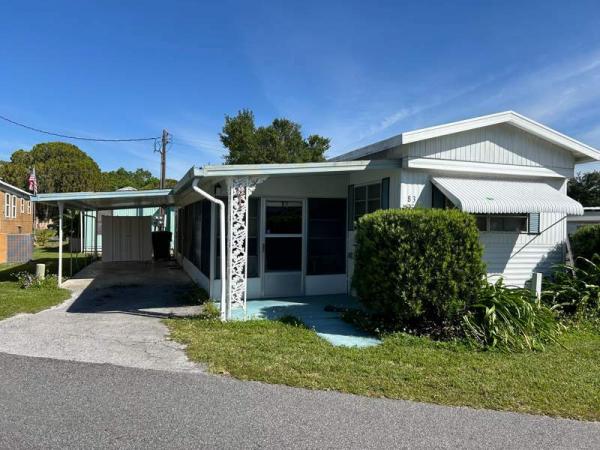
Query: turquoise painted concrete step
[[311, 311]]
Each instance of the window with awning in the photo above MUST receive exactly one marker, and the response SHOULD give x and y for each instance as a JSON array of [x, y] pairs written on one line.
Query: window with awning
[[487, 196]]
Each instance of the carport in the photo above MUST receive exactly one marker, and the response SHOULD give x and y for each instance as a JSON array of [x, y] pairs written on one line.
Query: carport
[[99, 201]]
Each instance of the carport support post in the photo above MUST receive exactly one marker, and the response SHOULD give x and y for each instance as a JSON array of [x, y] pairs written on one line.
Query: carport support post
[[96, 235], [60, 242]]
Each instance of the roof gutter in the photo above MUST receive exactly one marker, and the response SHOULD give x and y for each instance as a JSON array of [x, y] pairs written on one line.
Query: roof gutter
[[221, 205]]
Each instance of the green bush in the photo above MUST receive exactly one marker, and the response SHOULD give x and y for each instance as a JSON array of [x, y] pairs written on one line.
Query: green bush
[[511, 320], [575, 291], [586, 241], [42, 237], [418, 267], [210, 311], [28, 280]]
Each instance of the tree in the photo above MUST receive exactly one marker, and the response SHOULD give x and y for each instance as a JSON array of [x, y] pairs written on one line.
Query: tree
[[139, 179], [585, 188], [59, 166], [280, 142]]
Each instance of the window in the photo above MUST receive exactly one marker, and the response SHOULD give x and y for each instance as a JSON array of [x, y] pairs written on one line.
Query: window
[[284, 217], [7, 205], [22, 206], [481, 222], [513, 223], [14, 206], [367, 199], [28, 206]]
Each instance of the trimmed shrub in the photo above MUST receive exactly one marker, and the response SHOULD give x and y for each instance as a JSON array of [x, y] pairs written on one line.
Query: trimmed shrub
[[586, 241], [510, 320], [415, 268]]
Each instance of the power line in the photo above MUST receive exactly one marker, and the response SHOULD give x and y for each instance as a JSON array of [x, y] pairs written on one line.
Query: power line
[[6, 119]]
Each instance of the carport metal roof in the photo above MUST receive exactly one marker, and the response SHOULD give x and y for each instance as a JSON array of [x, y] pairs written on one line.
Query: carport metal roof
[[109, 200]]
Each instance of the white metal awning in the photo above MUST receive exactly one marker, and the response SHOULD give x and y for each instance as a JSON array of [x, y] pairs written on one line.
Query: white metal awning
[[483, 196]]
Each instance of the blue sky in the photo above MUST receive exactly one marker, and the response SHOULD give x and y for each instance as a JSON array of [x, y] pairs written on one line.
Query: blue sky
[[356, 72]]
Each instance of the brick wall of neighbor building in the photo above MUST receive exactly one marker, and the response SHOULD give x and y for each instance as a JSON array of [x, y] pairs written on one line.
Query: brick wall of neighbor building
[[16, 240], [23, 222], [3, 248]]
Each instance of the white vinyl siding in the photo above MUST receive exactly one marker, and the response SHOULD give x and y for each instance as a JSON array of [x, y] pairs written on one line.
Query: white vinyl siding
[[499, 144], [516, 256]]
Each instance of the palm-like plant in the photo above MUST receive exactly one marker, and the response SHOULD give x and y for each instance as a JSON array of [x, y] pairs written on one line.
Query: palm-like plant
[[574, 291], [510, 319]]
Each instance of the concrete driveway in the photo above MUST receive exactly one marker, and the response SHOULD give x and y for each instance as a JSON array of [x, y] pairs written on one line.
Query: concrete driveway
[[113, 317]]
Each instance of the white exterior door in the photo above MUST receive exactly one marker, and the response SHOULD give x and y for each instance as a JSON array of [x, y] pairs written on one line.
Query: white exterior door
[[282, 247]]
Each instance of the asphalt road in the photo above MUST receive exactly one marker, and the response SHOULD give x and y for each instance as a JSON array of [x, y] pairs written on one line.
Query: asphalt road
[[47, 403]]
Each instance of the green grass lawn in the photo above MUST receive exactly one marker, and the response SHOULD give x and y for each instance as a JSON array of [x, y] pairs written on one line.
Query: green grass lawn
[[562, 381], [14, 300]]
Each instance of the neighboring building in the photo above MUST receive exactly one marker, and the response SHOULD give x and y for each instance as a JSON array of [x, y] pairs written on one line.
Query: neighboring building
[[591, 216], [16, 224], [290, 227], [89, 232]]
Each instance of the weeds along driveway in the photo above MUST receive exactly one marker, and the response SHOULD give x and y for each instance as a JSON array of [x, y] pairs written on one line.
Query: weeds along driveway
[[114, 317]]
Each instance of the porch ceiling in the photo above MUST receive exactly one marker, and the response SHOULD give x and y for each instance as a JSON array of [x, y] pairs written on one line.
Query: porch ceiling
[[109, 200]]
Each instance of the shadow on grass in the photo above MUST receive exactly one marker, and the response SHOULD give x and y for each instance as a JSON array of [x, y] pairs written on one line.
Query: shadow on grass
[[49, 257]]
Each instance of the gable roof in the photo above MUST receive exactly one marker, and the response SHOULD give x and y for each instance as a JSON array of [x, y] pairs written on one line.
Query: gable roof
[[582, 152], [4, 186]]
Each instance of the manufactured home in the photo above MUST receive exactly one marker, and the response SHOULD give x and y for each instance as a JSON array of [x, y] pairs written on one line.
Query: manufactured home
[[288, 229]]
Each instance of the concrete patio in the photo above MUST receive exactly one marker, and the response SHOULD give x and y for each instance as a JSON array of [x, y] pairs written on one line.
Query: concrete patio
[[312, 312]]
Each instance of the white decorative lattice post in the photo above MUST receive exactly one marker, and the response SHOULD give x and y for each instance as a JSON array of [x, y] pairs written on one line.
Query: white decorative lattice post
[[240, 190]]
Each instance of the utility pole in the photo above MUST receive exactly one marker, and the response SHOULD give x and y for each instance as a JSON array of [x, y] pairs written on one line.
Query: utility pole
[[163, 158], [163, 172]]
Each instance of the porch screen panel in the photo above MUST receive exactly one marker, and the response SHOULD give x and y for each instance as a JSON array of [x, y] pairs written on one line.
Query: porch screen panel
[[188, 233], [179, 229], [196, 233], [205, 238], [326, 252], [253, 227], [218, 236], [253, 253], [385, 193], [350, 214]]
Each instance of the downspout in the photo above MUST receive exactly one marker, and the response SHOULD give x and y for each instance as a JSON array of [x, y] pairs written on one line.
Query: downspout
[[221, 206]]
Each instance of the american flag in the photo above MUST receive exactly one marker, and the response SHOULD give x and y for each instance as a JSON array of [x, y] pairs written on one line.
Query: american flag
[[33, 182]]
